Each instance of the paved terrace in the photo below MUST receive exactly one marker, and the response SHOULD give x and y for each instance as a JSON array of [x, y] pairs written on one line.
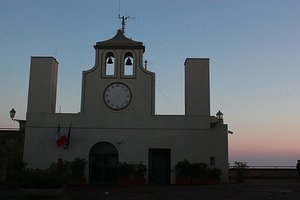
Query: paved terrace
[[252, 189]]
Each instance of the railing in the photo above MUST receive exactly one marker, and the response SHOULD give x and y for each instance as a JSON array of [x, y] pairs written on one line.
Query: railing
[[272, 167], [9, 129], [267, 171], [267, 167]]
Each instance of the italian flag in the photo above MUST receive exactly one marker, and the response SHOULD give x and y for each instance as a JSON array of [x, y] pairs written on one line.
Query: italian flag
[[61, 139]]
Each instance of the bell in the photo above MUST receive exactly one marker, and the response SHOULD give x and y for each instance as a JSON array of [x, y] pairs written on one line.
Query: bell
[[109, 61], [128, 62]]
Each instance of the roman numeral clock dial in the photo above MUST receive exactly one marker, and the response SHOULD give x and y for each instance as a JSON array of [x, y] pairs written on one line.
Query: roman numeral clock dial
[[117, 96]]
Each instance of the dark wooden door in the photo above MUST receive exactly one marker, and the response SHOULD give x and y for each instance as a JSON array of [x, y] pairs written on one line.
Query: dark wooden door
[[103, 168], [159, 166], [103, 163]]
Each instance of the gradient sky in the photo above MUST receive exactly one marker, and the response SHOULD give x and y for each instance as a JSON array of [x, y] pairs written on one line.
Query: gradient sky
[[253, 46]]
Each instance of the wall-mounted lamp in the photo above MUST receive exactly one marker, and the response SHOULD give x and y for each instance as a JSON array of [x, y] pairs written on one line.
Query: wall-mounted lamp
[[22, 123], [219, 116], [12, 114], [120, 141]]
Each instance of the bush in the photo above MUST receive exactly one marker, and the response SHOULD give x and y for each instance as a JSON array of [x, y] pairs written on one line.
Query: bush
[[195, 171], [183, 169], [214, 173], [77, 167], [132, 170], [126, 170], [14, 172], [43, 178], [57, 175], [198, 170], [140, 170], [240, 168]]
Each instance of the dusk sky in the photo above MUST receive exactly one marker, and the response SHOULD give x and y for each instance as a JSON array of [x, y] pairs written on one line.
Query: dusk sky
[[253, 46]]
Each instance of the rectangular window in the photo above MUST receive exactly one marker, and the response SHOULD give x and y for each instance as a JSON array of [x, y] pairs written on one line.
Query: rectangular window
[[212, 161]]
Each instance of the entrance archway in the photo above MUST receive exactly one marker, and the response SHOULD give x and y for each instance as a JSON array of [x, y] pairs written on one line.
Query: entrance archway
[[103, 163]]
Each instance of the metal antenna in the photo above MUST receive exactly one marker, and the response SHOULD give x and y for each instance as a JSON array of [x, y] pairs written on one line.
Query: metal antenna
[[119, 8], [55, 55]]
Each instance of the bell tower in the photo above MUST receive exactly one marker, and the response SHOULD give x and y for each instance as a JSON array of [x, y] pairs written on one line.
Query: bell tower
[[118, 84]]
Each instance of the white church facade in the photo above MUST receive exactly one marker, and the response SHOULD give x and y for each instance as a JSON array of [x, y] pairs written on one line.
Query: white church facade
[[117, 121]]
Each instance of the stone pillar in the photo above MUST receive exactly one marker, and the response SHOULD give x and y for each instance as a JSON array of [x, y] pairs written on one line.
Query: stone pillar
[[42, 85], [197, 94]]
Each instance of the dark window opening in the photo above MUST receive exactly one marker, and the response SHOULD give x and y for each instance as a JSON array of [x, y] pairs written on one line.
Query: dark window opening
[[128, 65], [212, 161], [110, 65]]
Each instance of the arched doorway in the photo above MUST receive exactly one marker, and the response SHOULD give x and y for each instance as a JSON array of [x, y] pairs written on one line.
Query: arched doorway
[[103, 163]]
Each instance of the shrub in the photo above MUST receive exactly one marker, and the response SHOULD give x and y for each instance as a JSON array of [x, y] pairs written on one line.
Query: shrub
[[198, 170], [193, 171], [140, 170], [240, 168], [214, 173], [77, 167], [126, 170], [14, 172], [183, 169], [132, 170], [57, 175], [42, 178]]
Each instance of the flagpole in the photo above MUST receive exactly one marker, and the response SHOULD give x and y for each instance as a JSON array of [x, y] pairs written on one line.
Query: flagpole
[[61, 154], [61, 138], [69, 136]]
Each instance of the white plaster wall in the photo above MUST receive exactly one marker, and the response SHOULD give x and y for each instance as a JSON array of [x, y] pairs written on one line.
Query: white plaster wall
[[42, 85], [197, 93], [187, 136], [187, 139], [141, 86]]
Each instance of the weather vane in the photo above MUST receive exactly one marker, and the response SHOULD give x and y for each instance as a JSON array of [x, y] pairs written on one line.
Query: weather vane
[[123, 20]]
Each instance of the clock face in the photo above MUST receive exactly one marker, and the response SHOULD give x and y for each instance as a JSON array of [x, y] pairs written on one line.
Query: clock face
[[117, 96]]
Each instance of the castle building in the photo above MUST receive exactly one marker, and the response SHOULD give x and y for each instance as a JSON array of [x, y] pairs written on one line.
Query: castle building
[[117, 121]]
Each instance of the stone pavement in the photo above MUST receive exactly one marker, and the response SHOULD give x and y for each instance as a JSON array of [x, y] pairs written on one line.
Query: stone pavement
[[252, 189]]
